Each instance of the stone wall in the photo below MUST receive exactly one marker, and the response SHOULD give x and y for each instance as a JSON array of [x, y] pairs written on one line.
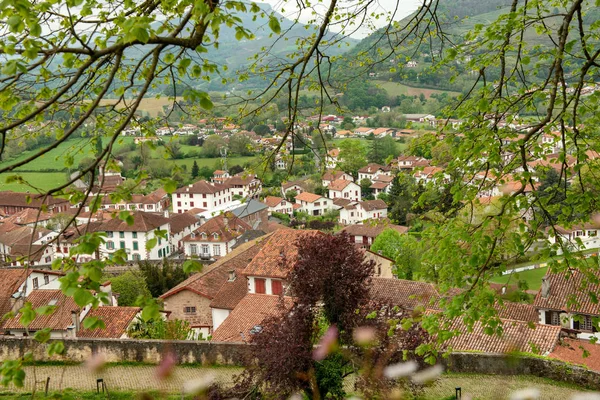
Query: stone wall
[[208, 353], [501, 364], [128, 350]]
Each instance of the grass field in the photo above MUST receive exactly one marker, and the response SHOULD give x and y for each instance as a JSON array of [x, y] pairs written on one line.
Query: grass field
[[533, 278], [41, 180], [396, 89], [367, 143]]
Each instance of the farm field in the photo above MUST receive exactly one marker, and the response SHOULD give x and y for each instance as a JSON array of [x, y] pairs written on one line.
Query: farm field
[[396, 89], [40, 180], [151, 105], [367, 143]]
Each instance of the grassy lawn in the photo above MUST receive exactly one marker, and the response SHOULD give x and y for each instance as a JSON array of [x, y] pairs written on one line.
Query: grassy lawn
[[533, 277], [41, 180], [396, 89], [367, 143]]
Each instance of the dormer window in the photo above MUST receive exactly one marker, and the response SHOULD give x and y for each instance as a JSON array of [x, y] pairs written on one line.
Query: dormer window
[[203, 235], [193, 235], [216, 236]]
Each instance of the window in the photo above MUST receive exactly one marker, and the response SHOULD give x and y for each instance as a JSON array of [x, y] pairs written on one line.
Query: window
[[194, 249], [204, 196], [191, 204], [109, 234], [204, 204], [159, 242], [134, 235], [205, 249], [552, 318], [121, 244], [178, 204], [593, 233], [178, 195], [259, 285], [135, 246], [189, 310], [136, 257], [46, 279], [584, 323], [121, 235], [160, 253], [110, 245], [217, 249], [35, 283], [277, 287]]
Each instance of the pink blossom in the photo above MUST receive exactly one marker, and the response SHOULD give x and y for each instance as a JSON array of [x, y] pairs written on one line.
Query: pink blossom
[[364, 335], [96, 363], [327, 344], [166, 366]]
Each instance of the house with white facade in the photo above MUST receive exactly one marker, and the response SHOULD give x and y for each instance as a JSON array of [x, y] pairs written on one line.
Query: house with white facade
[[363, 235], [201, 194], [279, 205], [564, 300], [579, 236], [382, 184], [20, 245], [181, 225], [344, 189], [298, 186], [372, 171], [332, 158], [244, 185], [334, 175], [214, 238], [314, 204], [357, 212], [134, 239]]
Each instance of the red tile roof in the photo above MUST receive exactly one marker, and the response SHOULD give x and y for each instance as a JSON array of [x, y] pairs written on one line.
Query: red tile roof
[[518, 311], [371, 205], [403, 293], [227, 227], [371, 168], [142, 222], [202, 187], [272, 201], [10, 281], [60, 319], [14, 199], [279, 247], [308, 197], [379, 185], [569, 291], [338, 184], [516, 336], [331, 175], [180, 221], [250, 312], [28, 216], [571, 351], [116, 319]]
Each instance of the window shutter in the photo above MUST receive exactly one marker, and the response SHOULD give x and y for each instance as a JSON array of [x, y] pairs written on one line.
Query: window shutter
[[259, 285], [548, 317], [277, 287]]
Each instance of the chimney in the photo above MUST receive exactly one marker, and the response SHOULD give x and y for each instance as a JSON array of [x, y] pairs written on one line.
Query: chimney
[[545, 287], [75, 319], [231, 275], [107, 288]]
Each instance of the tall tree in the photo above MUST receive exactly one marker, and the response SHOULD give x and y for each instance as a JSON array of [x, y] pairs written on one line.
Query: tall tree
[[353, 156], [195, 170]]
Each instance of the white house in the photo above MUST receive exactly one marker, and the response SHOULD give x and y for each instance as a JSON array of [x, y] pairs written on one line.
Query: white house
[[586, 233], [332, 158], [279, 205], [357, 212], [181, 225], [201, 194], [382, 184], [215, 238], [314, 204], [331, 175], [372, 171], [244, 185], [134, 238], [297, 186], [344, 189]]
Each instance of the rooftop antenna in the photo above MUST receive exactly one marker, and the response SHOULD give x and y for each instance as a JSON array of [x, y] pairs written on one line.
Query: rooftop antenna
[[223, 151]]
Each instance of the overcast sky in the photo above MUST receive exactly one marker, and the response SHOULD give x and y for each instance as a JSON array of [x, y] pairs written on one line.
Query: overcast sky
[[404, 8]]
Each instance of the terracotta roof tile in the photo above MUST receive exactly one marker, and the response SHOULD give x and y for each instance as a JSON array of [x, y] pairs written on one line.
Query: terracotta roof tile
[[27, 216], [60, 319], [341, 202], [516, 336], [227, 227], [379, 185], [308, 197], [518, 312], [180, 221], [339, 184], [272, 201], [403, 293], [370, 168], [116, 319], [331, 175], [8, 198], [571, 351], [250, 312], [142, 222], [10, 281], [569, 291], [370, 205], [202, 187], [280, 246]]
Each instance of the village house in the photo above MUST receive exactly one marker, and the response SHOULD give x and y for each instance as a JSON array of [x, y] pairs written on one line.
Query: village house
[[424, 118], [133, 239], [314, 204], [577, 237], [206, 298], [357, 212], [244, 185], [428, 174], [20, 245], [61, 247], [157, 201], [382, 184], [334, 175], [202, 194], [363, 131], [279, 205], [410, 162], [332, 158], [214, 238], [365, 234], [252, 212], [220, 176], [344, 189], [372, 171], [564, 300], [13, 202], [298, 186], [181, 225], [30, 217]]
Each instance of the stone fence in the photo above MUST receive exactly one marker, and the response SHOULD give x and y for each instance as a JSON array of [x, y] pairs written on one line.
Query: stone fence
[[209, 353]]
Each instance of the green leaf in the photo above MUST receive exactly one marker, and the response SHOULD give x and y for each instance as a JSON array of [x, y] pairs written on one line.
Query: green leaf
[[169, 185], [151, 243], [190, 266], [206, 103], [43, 335], [274, 25], [83, 297], [56, 348], [28, 314], [93, 323]]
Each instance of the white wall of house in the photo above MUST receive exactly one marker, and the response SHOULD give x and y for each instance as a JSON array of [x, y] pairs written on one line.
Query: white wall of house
[[183, 202], [251, 190], [297, 188], [218, 316], [588, 237], [284, 207], [567, 321], [134, 244], [350, 192], [44, 281], [206, 249], [318, 207]]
